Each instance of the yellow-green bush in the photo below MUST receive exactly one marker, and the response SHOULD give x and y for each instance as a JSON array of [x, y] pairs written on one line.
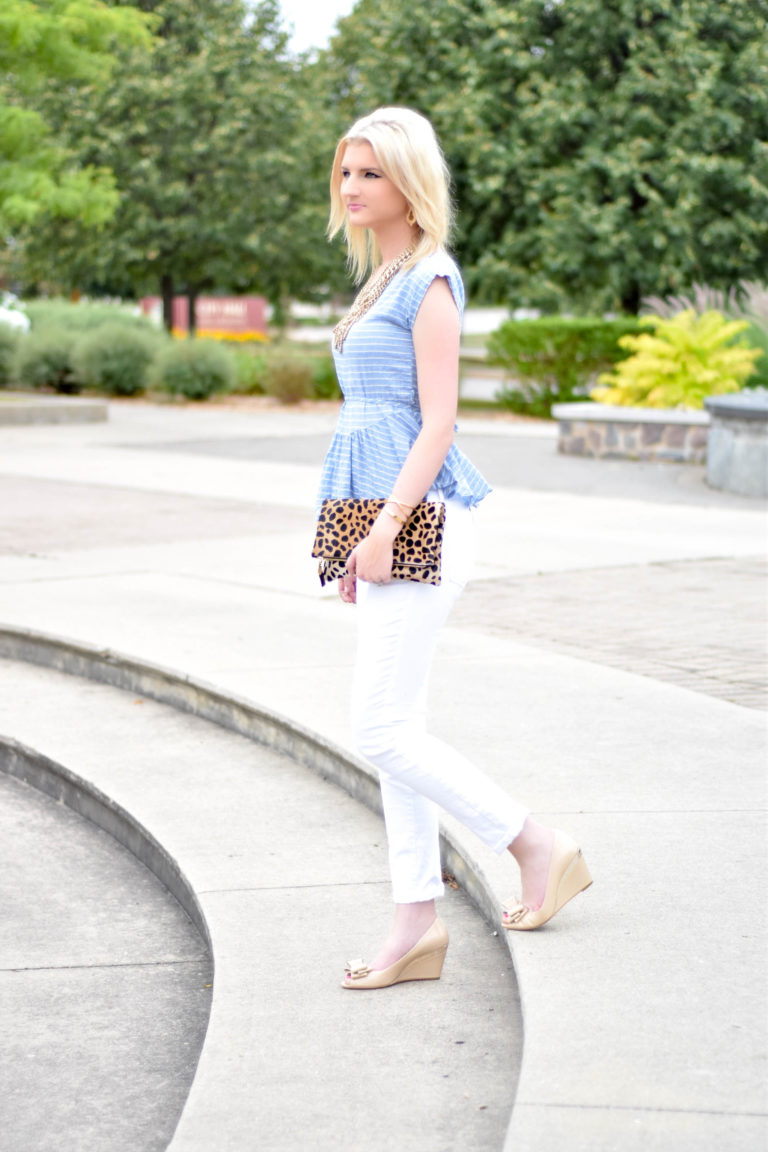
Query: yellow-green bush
[[748, 301], [684, 360]]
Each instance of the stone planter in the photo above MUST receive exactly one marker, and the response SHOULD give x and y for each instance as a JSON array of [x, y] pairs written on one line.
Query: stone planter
[[612, 432], [737, 459]]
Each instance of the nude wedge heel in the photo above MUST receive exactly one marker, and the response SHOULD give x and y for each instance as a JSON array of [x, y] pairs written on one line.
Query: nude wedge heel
[[575, 879], [423, 962], [568, 875], [428, 967]]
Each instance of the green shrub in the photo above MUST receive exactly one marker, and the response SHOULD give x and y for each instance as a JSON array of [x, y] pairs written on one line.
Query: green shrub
[[9, 342], [289, 379], [325, 386], [44, 360], [83, 317], [115, 359], [250, 369], [684, 360], [756, 336], [554, 359], [193, 368]]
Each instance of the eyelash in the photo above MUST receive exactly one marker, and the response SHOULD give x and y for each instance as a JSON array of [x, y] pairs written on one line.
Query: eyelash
[[345, 173]]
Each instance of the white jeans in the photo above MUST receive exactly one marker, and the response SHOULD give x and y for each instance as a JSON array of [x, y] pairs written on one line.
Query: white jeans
[[398, 625]]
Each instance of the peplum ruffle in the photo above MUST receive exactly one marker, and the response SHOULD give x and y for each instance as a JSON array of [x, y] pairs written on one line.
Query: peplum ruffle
[[370, 444]]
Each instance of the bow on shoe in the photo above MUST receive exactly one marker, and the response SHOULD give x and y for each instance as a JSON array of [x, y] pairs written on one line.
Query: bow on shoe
[[356, 970]]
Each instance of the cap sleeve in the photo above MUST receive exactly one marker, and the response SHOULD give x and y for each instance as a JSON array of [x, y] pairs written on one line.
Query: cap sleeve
[[419, 278]]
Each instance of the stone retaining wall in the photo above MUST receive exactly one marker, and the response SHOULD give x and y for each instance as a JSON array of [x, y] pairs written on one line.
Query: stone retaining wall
[[608, 432]]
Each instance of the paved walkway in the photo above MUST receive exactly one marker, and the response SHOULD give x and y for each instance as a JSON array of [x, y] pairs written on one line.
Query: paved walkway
[[104, 983], [699, 624], [609, 656]]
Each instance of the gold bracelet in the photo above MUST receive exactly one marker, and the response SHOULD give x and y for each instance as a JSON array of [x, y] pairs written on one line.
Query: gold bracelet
[[406, 509], [394, 515]]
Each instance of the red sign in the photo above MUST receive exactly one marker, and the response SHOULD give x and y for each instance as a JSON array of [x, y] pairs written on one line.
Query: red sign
[[218, 317]]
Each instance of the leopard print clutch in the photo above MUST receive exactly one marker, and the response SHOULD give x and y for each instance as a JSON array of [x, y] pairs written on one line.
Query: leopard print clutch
[[416, 550]]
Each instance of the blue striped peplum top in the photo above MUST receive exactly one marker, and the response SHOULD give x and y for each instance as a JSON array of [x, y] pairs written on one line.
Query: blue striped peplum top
[[380, 417]]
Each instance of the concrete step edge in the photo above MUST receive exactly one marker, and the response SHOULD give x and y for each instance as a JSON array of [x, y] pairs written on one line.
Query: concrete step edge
[[236, 714], [233, 713], [83, 797]]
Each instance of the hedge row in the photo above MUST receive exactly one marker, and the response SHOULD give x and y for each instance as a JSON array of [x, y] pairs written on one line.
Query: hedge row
[[554, 360], [74, 347]]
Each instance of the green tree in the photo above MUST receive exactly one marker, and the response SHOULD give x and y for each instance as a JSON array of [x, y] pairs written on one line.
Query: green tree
[[603, 149], [216, 162], [72, 40]]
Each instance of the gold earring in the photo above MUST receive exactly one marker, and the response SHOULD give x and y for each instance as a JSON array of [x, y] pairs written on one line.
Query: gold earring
[[410, 217]]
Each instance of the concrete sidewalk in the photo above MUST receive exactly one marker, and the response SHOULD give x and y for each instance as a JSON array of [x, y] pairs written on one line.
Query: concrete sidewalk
[[607, 666]]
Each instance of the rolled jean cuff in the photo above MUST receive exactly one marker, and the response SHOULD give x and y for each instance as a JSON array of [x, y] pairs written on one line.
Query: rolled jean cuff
[[402, 894], [512, 832]]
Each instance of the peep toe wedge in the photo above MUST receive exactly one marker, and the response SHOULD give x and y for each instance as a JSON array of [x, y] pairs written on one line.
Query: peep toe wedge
[[423, 962], [568, 875]]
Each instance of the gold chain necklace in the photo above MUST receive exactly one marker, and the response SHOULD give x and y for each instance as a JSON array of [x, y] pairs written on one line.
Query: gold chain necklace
[[368, 295]]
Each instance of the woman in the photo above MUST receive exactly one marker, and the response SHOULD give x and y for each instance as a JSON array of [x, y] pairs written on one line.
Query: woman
[[396, 354]]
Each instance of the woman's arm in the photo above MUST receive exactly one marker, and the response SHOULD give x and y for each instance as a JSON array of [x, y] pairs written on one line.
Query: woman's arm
[[436, 336]]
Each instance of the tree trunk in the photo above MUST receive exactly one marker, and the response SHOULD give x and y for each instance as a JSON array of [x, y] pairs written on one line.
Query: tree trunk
[[191, 313], [279, 301], [631, 299], [166, 288]]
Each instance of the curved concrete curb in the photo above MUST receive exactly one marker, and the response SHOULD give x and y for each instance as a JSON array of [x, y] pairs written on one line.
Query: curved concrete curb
[[211, 704], [66, 787], [239, 715]]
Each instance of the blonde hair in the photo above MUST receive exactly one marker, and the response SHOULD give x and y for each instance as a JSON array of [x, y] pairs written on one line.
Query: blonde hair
[[409, 154]]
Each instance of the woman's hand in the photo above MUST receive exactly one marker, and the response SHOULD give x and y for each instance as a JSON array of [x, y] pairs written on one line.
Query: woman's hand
[[371, 559], [348, 588]]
